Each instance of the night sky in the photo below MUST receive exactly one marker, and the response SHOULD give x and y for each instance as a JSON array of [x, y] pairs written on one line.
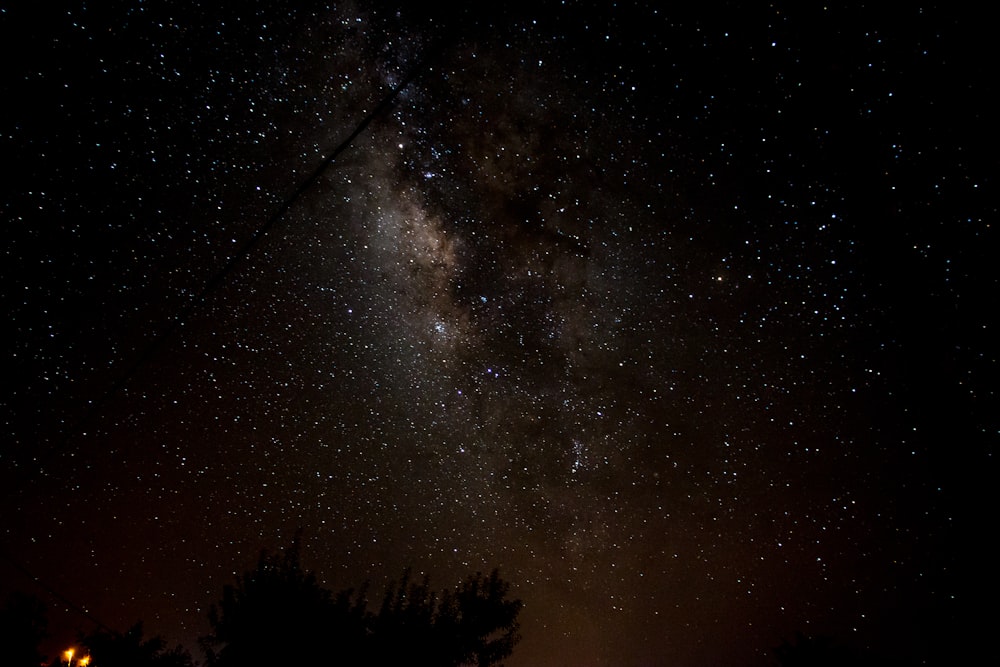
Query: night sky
[[679, 314]]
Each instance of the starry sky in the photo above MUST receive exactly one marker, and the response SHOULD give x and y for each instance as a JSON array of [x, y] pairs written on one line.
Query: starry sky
[[681, 316]]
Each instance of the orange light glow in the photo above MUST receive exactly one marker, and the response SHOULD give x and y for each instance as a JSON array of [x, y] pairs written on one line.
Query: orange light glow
[[84, 661], [68, 654]]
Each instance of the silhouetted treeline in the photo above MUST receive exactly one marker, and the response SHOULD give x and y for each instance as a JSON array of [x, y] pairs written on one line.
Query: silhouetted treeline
[[129, 649], [279, 614], [23, 626]]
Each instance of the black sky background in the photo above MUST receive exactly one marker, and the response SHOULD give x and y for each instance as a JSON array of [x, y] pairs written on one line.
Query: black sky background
[[681, 316]]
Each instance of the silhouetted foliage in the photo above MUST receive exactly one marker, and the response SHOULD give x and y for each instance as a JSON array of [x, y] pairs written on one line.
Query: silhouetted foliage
[[475, 624], [279, 614], [23, 626], [129, 649], [275, 614]]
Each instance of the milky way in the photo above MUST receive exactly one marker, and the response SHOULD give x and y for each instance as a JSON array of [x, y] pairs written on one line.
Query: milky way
[[666, 314]]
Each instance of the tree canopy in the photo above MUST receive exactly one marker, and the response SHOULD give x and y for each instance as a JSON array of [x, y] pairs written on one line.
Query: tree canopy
[[129, 649], [278, 613], [23, 626]]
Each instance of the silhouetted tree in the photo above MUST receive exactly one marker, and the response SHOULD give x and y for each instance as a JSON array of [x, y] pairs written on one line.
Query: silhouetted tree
[[276, 614], [129, 649], [279, 614], [475, 624], [404, 624], [486, 620], [23, 626]]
